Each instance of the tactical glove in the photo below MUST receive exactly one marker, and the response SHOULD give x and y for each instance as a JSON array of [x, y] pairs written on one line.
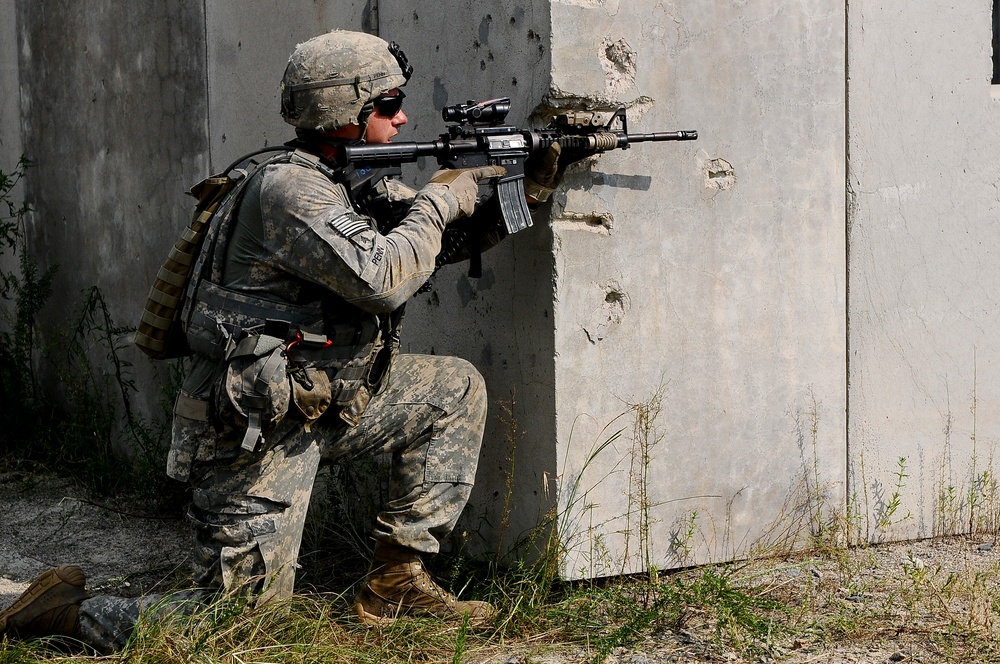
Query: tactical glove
[[542, 176], [463, 183]]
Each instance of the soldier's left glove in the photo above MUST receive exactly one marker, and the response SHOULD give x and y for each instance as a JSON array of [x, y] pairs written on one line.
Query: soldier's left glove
[[463, 183], [542, 176]]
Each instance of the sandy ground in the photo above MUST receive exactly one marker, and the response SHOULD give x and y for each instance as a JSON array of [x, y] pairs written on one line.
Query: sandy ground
[[47, 521]]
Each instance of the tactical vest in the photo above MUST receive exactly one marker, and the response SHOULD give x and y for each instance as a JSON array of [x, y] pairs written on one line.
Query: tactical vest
[[282, 358]]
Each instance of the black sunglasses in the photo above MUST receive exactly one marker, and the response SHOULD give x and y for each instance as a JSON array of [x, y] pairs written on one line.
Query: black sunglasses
[[389, 105]]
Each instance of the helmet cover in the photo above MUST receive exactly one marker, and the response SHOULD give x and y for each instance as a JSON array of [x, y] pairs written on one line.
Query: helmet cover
[[329, 79]]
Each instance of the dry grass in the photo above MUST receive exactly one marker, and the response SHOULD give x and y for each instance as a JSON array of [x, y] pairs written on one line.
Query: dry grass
[[933, 601]]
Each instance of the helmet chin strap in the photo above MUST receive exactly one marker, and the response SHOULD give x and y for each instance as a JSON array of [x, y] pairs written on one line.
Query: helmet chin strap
[[363, 116]]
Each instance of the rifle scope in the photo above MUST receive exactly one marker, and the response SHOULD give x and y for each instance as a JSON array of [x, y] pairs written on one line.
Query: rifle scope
[[493, 111]]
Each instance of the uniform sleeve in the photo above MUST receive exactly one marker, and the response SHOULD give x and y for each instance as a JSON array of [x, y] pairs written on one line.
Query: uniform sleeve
[[316, 235]]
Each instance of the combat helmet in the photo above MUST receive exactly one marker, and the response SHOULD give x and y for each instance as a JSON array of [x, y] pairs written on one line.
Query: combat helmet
[[330, 80]]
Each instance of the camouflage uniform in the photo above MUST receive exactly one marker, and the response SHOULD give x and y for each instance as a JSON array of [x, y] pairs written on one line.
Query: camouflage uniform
[[299, 240]]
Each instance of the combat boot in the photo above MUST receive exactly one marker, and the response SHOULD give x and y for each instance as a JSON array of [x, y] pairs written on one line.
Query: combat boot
[[398, 585], [49, 607]]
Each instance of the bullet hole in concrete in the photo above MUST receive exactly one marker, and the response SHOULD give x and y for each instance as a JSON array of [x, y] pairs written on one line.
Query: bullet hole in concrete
[[239, 45], [609, 315], [513, 20], [482, 65], [415, 17], [595, 222], [489, 56], [619, 63], [223, 138], [476, 44], [531, 34], [719, 174], [513, 81]]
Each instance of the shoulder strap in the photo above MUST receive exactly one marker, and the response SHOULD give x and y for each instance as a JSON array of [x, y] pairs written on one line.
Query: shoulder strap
[[240, 172]]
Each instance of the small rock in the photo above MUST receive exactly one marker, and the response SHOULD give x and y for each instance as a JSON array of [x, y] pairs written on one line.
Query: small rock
[[986, 546], [854, 598], [897, 657]]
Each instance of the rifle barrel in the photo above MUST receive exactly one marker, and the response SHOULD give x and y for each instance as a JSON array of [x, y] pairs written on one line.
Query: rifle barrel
[[687, 135]]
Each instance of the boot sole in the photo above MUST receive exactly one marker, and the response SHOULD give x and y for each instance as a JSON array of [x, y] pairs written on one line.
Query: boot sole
[[371, 618], [384, 621], [68, 574]]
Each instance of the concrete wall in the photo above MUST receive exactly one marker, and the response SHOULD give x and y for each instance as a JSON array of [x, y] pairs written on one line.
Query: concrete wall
[[924, 371], [10, 117], [682, 308], [701, 286], [113, 115]]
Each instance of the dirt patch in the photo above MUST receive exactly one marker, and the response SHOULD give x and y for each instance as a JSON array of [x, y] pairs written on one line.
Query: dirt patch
[[48, 521]]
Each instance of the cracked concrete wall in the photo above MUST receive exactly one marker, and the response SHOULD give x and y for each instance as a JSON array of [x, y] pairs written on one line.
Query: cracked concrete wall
[[700, 287], [924, 370]]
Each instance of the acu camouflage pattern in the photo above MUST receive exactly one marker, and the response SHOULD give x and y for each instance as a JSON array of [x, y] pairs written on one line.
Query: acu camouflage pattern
[[330, 78], [248, 508], [310, 242]]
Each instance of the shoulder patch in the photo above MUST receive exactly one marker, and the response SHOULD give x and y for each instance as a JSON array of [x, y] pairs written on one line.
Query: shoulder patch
[[350, 224]]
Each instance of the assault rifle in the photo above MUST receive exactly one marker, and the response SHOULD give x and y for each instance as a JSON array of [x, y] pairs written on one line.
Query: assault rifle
[[479, 137]]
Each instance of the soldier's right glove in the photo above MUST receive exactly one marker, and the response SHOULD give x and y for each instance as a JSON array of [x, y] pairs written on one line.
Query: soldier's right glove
[[463, 183]]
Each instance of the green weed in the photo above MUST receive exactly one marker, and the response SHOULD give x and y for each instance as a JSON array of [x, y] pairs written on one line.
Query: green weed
[[79, 422]]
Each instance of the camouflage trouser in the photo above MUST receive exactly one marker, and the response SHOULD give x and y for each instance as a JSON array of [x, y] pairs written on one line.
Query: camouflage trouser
[[248, 509]]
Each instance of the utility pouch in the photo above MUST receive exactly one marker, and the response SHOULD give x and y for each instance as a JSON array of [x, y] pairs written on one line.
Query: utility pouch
[[254, 390], [312, 393]]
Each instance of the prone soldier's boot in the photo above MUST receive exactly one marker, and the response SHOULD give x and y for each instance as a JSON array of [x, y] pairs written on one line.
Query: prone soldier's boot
[[49, 607], [398, 585]]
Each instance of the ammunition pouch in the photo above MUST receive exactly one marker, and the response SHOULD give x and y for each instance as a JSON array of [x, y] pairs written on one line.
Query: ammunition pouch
[[267, 379], [253, 390], [325, 373]]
